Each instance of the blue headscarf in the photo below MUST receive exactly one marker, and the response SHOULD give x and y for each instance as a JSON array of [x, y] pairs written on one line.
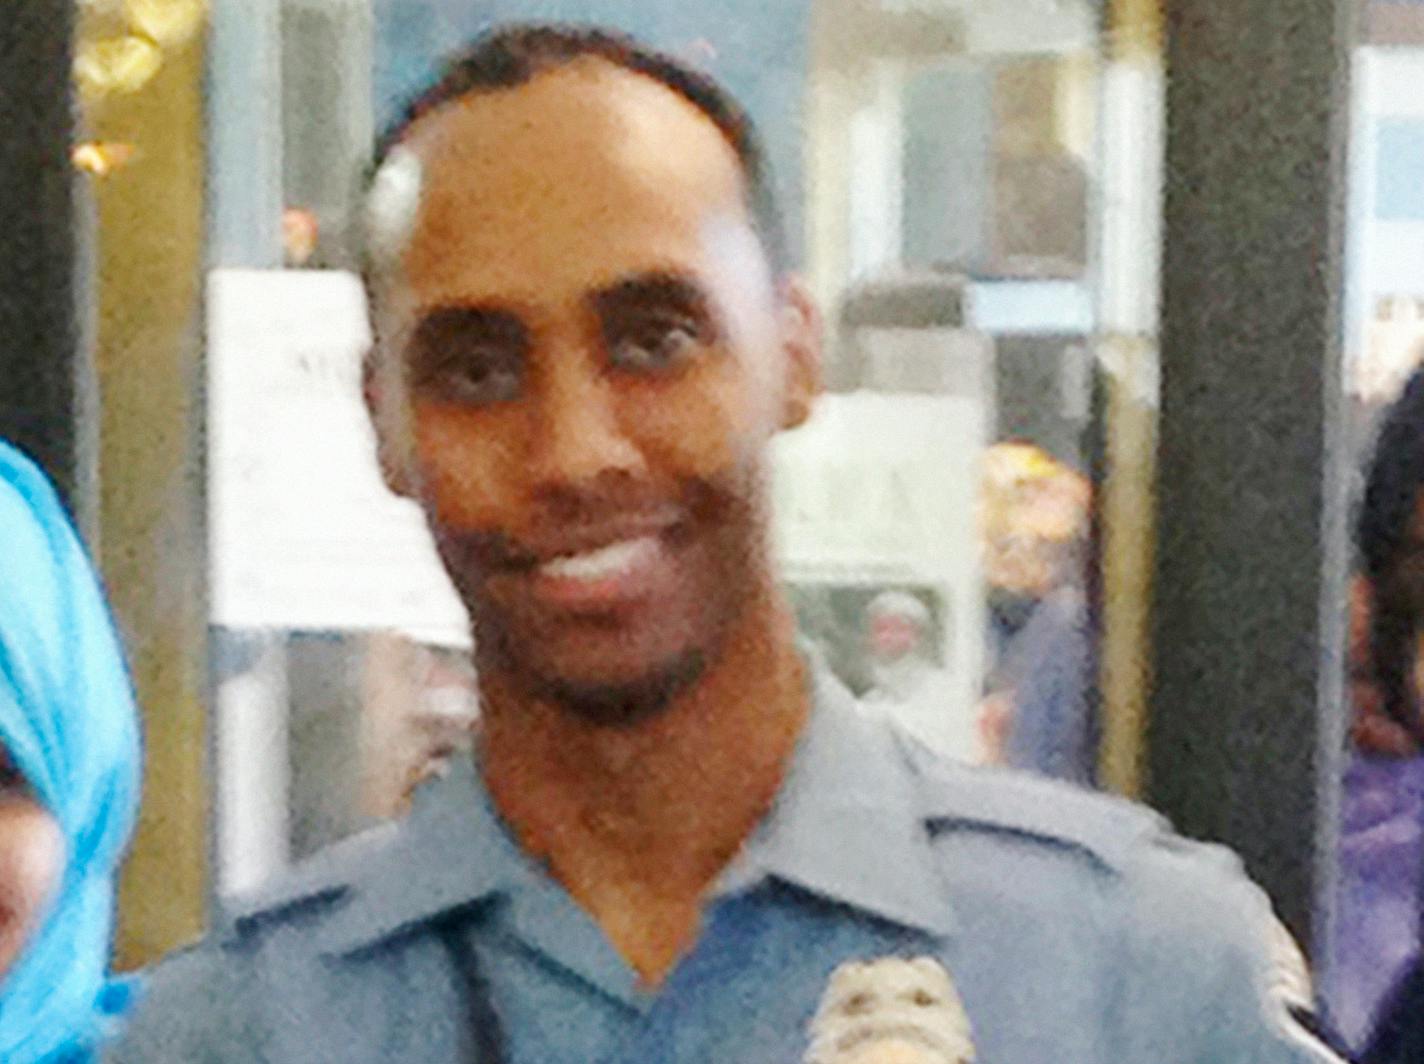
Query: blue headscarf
[[67, 718]]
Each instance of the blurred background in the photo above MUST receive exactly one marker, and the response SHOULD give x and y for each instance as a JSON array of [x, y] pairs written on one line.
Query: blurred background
[[1114, 299]]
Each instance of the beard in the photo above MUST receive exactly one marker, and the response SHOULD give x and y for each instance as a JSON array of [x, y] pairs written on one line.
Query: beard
[[723, 556], [624, 703]]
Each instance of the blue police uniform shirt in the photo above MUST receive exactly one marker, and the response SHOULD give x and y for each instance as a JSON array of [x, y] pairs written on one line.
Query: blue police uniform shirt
[[1075, 928]]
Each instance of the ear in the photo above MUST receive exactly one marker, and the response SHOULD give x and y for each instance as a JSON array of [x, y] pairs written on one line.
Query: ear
[[801, 339], [392, 433]]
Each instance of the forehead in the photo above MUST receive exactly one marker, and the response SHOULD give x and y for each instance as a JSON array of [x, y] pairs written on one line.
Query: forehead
[[576, 178]]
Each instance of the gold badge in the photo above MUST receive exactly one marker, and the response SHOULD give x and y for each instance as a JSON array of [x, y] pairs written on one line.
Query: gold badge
[[1288, 994], [894, 1010]]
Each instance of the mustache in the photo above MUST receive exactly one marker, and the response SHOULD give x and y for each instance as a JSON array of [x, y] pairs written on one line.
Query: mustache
[[566, 532], [571, 520], [486, 550]]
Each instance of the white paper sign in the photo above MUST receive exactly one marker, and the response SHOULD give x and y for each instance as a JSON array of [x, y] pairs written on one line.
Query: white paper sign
[[303, 534], [882, 490]]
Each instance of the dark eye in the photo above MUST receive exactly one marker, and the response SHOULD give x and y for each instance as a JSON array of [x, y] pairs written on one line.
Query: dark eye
[[480, 378], [11, 780], [653, 343], [468, 357], [923, 998]]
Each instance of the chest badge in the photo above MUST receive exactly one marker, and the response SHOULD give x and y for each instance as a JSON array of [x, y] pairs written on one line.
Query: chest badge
[[894, 1010]]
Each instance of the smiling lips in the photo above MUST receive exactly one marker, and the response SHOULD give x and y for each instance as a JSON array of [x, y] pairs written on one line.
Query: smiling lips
[[604, 577], [603, 563]]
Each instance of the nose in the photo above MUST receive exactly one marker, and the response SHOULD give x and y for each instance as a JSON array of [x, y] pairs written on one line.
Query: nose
[[578, 436]]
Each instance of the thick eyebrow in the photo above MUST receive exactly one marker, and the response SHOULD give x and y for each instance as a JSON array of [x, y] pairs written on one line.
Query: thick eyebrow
[[496, 320], [656, 288], [437, 326]]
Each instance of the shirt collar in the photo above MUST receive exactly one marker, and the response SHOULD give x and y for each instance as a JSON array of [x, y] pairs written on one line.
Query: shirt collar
[[451, 852], [849, 824]]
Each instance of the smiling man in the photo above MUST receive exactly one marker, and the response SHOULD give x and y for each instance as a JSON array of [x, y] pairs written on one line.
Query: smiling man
[[677, 828]]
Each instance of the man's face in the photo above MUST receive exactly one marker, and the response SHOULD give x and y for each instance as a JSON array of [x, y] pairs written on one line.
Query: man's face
[[1404, 594], [892, 636], [591, 358]]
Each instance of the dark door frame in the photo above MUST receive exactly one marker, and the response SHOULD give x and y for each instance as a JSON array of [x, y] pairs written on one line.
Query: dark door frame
[[43, 374], [1246, 725]]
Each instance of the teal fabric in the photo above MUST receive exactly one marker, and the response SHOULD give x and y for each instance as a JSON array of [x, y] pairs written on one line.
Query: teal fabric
[[67, 718]]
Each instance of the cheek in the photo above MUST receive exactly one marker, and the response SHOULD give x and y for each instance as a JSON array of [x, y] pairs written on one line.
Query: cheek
[[710, 423], [31, 863], [893, 636], [461, 464]]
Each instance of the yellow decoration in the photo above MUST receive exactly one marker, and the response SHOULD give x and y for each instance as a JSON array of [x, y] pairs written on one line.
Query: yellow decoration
[[169, 23], [117, 65], [1136, 29], [101, 158], [1031, 507]]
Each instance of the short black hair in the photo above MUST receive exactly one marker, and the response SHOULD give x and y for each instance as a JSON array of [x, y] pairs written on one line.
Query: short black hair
[[1384, 531], [512, 54]]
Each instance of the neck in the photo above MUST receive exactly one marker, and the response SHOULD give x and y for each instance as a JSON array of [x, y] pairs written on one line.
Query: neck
[[663, 804]]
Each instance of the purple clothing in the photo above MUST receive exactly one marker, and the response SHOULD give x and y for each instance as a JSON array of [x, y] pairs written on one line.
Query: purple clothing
[[1376, 931], [1047, 665]]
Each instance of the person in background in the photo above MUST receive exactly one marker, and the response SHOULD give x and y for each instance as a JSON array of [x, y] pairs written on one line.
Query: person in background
[[1375, 932], [419, 711], [1373, 988], [905, 682], [301, 230], [69, 781], [1034, 521]]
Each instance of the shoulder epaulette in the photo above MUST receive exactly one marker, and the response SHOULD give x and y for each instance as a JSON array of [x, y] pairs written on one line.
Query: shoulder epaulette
[[963, 797], [324, 877]]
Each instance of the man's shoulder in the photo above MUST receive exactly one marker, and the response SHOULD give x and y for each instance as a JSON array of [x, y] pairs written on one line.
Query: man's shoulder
[[1010, 818], [213, 992], [1171, 901], [1181, 916], [312, 887], [1099, 890], [964, 802]]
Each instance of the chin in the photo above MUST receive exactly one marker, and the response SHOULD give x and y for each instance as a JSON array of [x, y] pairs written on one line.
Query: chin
[[621, 701]]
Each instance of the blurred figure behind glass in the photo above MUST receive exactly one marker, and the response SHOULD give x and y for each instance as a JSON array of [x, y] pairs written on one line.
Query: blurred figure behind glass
[[906, 683], [1034, 523], [1370, 994]]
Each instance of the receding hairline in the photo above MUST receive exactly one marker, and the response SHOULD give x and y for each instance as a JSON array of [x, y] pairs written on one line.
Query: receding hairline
[[586, 88], [584, 66], [528, 52], [442, 148]]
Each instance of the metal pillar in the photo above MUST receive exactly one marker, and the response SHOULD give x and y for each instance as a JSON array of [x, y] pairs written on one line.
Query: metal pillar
[[40, 379], [1245, 728]]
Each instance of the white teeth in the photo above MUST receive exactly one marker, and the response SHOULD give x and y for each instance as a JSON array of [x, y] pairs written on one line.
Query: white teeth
[[602, 563]]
